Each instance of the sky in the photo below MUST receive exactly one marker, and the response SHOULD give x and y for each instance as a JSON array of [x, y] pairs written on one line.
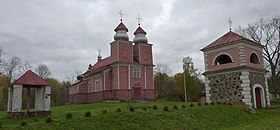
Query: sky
[[67, 34]]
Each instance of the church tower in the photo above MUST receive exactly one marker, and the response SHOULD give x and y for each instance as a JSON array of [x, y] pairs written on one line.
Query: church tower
[[234, 71]]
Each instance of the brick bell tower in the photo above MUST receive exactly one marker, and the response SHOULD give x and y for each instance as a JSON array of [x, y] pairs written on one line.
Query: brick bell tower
[[234, 71]]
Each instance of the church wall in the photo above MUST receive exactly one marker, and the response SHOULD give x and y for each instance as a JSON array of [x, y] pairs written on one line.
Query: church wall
[[137, 82], [146, 54], [123, 94], [123, 77], [125, 52], [108, 81], [149, 78], [148, 94], [114, 51], [115, 77]]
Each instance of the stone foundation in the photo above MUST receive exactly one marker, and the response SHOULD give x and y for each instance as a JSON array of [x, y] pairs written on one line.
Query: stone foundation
[[225, 87], [27, 114]]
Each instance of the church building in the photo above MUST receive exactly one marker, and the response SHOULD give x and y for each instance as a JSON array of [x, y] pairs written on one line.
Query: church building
[[127, 74], [234, 71]]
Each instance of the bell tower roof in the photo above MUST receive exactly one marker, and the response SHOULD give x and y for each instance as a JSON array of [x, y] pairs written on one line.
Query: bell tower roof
[[228, 38]]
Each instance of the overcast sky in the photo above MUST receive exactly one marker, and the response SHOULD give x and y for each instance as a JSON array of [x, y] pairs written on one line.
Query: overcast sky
[[66, 34]]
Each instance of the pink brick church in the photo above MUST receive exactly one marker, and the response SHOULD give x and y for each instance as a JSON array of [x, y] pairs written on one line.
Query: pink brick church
[[127, 74]]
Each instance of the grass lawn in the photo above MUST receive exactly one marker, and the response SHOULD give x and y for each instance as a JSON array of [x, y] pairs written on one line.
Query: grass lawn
[[197, 117]]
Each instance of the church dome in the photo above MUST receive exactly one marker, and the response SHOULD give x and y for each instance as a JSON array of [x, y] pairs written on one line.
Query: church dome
[[140, 36], [121, 32]]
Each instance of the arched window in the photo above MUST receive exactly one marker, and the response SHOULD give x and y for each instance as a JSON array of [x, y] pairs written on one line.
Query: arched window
[[222, 59], [254, 59]]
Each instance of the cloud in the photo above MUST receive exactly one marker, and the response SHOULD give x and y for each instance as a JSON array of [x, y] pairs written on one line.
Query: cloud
[[66, 34]]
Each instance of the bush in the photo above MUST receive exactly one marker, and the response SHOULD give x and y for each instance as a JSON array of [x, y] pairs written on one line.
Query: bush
[[219, 102], [0, 125], [23, 123], [183, 106], [48, 119], [118, 110], [155, 107], [225, 103], [229, 104], [199, 104], [145, 108], [175, 107], [87, 114], [104, 111], [36, 120], [206, 103], [69, 115], [165, 108], [191, 105], [132, 109], [212, 103]]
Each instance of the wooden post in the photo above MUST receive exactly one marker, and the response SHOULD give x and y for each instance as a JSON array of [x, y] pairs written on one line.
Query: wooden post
[[28, 96]]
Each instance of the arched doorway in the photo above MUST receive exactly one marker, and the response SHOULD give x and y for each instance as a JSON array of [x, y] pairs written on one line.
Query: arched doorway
[[259, 96]]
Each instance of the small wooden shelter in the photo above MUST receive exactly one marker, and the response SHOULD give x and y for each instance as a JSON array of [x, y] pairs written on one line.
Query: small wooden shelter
[[29, 81]]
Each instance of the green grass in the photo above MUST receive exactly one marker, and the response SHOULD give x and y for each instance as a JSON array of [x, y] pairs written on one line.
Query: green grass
[[197, 117]]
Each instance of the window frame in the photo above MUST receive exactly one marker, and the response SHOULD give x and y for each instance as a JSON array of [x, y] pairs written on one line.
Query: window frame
[[136, 72]]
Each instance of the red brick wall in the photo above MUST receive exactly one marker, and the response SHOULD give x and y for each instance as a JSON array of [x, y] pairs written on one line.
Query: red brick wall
[[125, 53], [146, 54], [123, 77], [150, 78]]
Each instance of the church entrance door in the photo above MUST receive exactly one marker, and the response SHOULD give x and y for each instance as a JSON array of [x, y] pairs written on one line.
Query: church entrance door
[[137, 93]]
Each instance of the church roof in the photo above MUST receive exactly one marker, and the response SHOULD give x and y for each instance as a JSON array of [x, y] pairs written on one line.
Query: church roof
[[100, 65], [30, 78], [121, 26], [139, 30], [228, 38]]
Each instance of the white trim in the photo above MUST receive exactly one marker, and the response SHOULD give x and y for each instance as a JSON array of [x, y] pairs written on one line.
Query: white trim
[[118, 52], [145, 78], [128, 77], [262, 95], [118, 76], [259, 59], [222, 53], [139, 53], [104, 76]]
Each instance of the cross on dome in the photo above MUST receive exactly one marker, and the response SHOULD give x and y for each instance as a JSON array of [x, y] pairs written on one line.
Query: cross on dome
[[121, 14], [139, 19], [99, 51]]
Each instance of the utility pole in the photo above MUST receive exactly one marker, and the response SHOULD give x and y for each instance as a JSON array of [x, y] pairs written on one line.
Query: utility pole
[[184, 68]]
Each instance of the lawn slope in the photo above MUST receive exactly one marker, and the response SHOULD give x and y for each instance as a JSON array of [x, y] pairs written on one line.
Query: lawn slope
[[197, 117]]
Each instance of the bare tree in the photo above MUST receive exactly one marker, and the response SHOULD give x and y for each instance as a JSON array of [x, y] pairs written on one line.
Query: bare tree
[[11, 65], [72, 77], [162, 68], [162, 80], [267, 32], [25, 67], [43, 70]]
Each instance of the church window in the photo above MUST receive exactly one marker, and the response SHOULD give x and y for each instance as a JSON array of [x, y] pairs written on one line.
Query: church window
[[136, 72], [97, 85], [222, 59], [254, 59]]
